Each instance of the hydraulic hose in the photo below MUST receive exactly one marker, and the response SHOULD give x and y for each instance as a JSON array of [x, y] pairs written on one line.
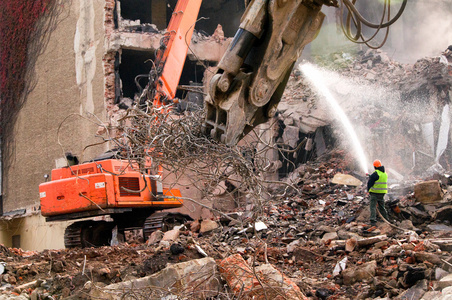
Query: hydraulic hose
[[358, 20], [353, 9]]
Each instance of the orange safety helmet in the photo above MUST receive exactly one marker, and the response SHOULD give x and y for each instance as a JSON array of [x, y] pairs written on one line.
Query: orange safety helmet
[[377, 163]]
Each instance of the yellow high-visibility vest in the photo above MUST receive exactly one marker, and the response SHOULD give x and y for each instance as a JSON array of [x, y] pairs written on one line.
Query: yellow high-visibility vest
[[381, 185]]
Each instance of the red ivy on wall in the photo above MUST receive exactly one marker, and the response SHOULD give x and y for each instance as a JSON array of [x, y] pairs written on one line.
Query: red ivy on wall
[[17, 24]]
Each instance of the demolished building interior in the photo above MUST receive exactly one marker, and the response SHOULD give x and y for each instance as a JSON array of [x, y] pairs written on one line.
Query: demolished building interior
[[288, 217]]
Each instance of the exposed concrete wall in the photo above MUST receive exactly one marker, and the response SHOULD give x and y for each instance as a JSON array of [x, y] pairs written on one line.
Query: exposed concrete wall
[[35, 233], [69, 82], [206, 48]]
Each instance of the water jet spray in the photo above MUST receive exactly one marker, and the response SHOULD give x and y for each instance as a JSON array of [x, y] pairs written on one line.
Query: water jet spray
[[315, 78]]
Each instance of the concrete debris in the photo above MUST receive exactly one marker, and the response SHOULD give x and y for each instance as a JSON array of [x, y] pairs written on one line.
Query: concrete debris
[[172, 235], [414, 293], [260, 283], [311, 241], [428, 192], [310, 244], [444, 282], [364, 272], [345, 179], [155, 238], [405, 101], [198, 278]]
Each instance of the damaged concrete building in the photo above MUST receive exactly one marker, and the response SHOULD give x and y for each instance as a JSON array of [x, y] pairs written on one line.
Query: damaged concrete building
[[87, 73]]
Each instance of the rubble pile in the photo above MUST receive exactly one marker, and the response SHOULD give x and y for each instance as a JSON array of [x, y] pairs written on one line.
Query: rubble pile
[[397, 109], [312, 243]]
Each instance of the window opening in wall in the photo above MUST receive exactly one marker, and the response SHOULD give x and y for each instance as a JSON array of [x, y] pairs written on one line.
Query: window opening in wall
[[132, 64], [16, 241], [224, 12], [135, 66], [191, 80], [115, 16], [140, 14], [118, 94], [136, 10]]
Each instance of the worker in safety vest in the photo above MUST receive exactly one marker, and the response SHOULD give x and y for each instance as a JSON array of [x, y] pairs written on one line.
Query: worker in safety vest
[[377, 186]]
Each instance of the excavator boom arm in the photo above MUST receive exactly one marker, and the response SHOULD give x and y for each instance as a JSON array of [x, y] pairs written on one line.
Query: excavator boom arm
[[170, 57], [253, 73]]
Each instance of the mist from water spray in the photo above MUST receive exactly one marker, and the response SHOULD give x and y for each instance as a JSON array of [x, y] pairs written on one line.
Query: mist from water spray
[[315, 78]]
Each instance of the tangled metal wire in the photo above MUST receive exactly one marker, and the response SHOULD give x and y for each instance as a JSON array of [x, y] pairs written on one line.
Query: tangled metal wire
[[158, 137]]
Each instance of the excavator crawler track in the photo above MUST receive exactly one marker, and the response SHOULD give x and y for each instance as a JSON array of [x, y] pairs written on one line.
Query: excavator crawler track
[[163, 221], [73, 236], [88, 234]]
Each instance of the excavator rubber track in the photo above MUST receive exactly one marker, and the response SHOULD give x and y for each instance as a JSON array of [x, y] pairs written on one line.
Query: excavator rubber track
[[72, 236], [163, 221], [88, 234], [99, 233]]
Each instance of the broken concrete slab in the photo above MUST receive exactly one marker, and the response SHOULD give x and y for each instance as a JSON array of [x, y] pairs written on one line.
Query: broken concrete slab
[[172, 235], [242, 280], [444, 282], [439, 227], [447, 291], [371, 240], [345, 179], [196, 278], [416, 292], [359, 273], [208, 225], [444, 213], [206, 49], [432, 295], [417, 216], [426, 256], [428, 192], [291, 136], [444, 244], [412, 275], [440, 273]]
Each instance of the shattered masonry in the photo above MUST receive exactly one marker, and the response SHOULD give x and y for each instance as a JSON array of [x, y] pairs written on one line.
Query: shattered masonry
[[122, 34]]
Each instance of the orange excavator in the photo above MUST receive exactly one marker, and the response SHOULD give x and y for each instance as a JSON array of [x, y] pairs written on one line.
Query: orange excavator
[[244, 92], [113, 187]]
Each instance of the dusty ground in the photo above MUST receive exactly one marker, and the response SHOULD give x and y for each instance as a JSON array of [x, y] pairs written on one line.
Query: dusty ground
[[307, 231], [295, 242]]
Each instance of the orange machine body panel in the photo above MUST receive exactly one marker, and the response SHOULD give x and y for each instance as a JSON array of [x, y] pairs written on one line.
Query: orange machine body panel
[[104, 184], [179, 33]]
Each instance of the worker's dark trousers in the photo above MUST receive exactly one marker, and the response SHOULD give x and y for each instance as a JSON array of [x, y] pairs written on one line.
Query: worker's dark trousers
[[377, 199]]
